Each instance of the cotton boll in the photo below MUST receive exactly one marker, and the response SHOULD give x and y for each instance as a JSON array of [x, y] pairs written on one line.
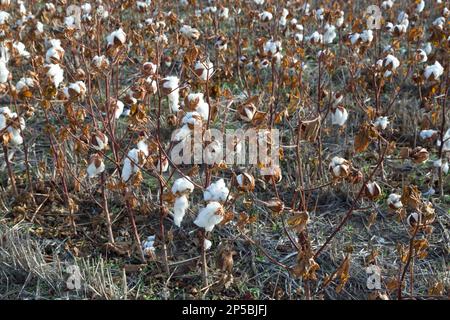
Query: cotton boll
[[207, 244], [143, 146], [394, 201], [148, 246], [96, 166], [117, 37], [339, 167], [204, 69], [330, 34], [339, 116], [179, 209], [99, 141], [387, 4], [130, 164], [367, 36], [427, 134], [189, 32], [265, 16], [315, 38], [428, 48], [4, 72], [55, 74], [4, 17], [420, 6], [381, 123], [434, 71], [119, 109], [171, 87], [391, 62], [446, 140], [100, 62], [445, 167], [181, 133], [421, 55], [217, 191], [182, 185], [210, 216]]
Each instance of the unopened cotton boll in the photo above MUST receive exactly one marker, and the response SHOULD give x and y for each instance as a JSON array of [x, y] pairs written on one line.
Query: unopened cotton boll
[[339, 116], [217, 191], [179, 209], [210, 216]]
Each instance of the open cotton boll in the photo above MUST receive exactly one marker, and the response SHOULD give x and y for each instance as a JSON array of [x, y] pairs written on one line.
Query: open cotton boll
[[15, 136], [24, 83], [189, 32], [446, 140], [182, 185], [387, 4], [330, 34], [420, 6], [116, 37], [272, 46], [204, 69], [143, 146], [435, 70], [207, 244], [339, 167], [130, 164], [192, 118], [179, 209], [394, 201], [427, 134], [4, 72], [148, 246], [100, 62], [96, 166], [209, 216], [367, 36], [339, 116], [217, 191], [171, 87], [439, 22], [381, 123], [181, 133], [19, 47], [99, 141], [55, 74], [315, 38], [203, 110], [265, 16], [119, 109], [391, 62], [4, 17]]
